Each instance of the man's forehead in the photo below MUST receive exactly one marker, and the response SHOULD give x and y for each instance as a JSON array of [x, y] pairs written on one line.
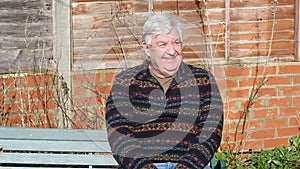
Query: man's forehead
[[166, 36]]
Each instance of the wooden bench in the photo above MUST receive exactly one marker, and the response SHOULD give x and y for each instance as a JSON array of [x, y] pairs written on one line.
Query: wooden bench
[[57, 148], [54, 148]]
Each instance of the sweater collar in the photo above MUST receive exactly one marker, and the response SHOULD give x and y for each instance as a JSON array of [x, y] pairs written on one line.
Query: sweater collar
[[184, 72]]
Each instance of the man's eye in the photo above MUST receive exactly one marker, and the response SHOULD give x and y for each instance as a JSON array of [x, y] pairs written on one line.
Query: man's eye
[[177, 43], [162, 44]]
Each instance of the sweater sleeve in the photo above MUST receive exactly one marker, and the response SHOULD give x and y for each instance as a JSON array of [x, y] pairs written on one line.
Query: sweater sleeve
[[209, 133], [120, 127]]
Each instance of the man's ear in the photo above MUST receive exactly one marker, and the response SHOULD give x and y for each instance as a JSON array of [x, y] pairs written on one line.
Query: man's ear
[[146, 48]]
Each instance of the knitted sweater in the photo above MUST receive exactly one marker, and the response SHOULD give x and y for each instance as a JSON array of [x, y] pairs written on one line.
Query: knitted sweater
[[146, 125]]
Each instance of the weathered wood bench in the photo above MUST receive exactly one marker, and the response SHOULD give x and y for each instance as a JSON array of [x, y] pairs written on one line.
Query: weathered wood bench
[[54, 148]]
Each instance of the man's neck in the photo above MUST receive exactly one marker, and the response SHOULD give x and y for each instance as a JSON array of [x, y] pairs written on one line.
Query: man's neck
[[163, 81]]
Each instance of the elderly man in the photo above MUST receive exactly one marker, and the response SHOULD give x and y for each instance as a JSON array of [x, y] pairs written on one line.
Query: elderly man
[[164, 113]]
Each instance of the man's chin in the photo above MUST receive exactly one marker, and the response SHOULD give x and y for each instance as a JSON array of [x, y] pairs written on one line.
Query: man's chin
[[170, 73]]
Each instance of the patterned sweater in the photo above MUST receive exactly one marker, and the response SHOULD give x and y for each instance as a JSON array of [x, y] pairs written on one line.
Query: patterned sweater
[[146, 125]]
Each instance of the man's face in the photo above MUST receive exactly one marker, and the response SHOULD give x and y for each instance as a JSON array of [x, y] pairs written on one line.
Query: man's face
[[165, 54]]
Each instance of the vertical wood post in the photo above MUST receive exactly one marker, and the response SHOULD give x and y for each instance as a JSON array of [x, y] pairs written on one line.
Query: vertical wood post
[[227, 29], [297, 30], [63, 46]]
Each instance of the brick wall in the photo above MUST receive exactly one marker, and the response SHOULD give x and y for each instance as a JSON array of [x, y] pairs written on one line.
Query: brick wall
[[271, 121], [274, 117], [90, 90], [27, 100], [30, 100]]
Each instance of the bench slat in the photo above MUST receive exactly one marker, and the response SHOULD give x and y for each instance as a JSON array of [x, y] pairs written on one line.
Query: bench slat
[[54, 146], [52, 134], [29, 167], [57, 159], [58, 148]]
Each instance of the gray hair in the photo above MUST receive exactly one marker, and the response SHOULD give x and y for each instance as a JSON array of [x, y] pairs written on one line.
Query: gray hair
[[160, 24]]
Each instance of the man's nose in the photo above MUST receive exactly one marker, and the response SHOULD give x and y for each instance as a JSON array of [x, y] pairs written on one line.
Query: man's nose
[[171, 50]]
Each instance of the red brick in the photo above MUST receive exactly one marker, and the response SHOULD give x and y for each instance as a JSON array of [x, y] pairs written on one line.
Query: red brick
[[232, 105], [255, 145], [265, 113], [38, 80], [242, 71], [275, 142], [261, 134], [226, 137], [50, 104], [13, 120], [228, 126], [15, 95], [296, 101], [12, 107], [27, 118], [231, 83], [235, 115], [289, 111], [234, 126], [44, 120], [274, 123], [269, 70], [87, 78], [289, 69], [296, 79], [295, 121], [109, 76], [288, 131], [221, 84], [255, 124], [249, 82], [51, 115], [234, 136], [2, 98], [105, 89], [101, 112], [256, 103], [86, 101], [48, 93], [219, 71], [295, 90], [227, 145], [35, 93], [280, 102], [101, 100], [267, 92], [9, 82], [77, 91], [40, 105], [78, 125], [238, 93], [278, 80], [97, 78], [40, 94]]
